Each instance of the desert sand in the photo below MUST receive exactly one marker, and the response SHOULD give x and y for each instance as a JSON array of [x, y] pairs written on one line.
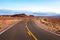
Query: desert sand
[[51, 24]]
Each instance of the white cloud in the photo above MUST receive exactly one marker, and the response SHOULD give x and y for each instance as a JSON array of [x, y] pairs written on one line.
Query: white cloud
[[43, 8]]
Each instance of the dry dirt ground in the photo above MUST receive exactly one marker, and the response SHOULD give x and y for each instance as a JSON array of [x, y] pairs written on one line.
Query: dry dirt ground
[[7, 22], [51, 24], [48, 23]]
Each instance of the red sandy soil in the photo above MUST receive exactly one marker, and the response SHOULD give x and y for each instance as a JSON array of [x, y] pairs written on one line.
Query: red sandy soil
[[49, 23], [8, 20], [6, 23]]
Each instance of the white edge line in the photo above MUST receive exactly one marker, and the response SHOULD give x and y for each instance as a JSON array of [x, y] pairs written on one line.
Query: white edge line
[[8, 28], [48, 31]]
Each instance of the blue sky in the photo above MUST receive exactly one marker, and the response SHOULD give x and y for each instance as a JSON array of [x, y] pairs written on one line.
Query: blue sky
[[31, 5]]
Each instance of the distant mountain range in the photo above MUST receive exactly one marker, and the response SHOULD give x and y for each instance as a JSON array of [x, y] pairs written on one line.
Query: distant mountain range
[[8, 12], [46, 14], [11, 12]]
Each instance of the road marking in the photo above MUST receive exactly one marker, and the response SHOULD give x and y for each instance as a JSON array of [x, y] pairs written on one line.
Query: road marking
[[30, 33], [7, 28]]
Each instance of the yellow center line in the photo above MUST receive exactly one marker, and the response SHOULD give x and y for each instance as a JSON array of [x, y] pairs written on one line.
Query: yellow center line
[[30, 33]]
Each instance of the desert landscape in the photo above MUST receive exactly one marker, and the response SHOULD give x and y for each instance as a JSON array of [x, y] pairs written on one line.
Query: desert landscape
[[7, 20], [49, 23], [29, 19]]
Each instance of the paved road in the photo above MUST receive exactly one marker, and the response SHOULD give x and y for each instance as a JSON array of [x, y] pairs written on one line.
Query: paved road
[[17, 32], [40, 33], [27, 31]]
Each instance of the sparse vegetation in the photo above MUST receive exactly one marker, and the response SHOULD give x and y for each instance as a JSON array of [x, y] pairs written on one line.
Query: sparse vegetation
[[51, 23], [8, 20]]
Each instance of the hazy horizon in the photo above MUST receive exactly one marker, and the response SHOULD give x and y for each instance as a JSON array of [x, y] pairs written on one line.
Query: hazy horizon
[[41, 7], [32, 5]]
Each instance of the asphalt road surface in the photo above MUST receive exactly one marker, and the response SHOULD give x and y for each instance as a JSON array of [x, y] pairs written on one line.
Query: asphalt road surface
[[27, 30]]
